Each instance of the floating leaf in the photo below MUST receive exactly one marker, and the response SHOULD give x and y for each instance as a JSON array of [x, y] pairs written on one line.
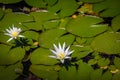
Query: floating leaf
[[10, 56], [47, 38], [10, 72], [37, 3], [41, 56], [45, 72], [84, 71], [65, 7], [103, 62], [1, 13], [108, 8], [96, 74], [80, 51], [9, 1], [117, 62], [42, 18], [8, 19], [31, 35], [65, 74], [91, 1], [116, 76], [108, 43], [86, 26], [116, 23], [106, 76], [92, 61]]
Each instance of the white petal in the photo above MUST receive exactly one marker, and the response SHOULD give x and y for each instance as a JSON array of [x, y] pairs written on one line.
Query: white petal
[[21, 36], [9, 39], [70, 52], [66, 51], [56, 48], [63, 46], [53, 57], [67, 57], [60, 47], [53, 51], [62, 60]]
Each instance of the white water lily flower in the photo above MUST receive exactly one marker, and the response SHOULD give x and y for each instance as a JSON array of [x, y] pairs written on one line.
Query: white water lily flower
[[61, 52], [13, 33]]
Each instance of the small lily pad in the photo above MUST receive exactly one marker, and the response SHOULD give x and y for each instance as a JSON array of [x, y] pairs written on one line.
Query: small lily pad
[[116, 23], [9, 1], [47, 38], [108, 43], [11, 72], [45, 72], [41, 56], [10, 56], [86, 26]]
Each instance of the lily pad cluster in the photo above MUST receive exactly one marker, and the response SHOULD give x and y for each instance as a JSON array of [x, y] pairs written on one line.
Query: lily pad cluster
[[90, 27]]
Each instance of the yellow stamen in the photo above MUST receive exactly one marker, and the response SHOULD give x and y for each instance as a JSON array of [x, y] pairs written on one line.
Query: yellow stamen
[[14, 34], [61, 55]]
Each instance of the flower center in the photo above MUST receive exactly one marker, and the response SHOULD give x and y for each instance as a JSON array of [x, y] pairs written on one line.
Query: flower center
[[14, 34], [61, 55]]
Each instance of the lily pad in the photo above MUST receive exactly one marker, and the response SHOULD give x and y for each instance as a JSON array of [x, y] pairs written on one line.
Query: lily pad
[[96, 74], [11, 72], [106, 76], [1, 13], [116, 23], [42, 20], [108, 43], [86, 26], [41, 56], [91, 1], [116, 62], [65, 7], [8, 19], [10, 56], [108, 8], [47, 38], [45, 72], [80, 51], [9, 1]]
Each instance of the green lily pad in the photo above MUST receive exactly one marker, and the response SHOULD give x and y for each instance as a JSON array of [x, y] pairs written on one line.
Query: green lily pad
[[84, 71], [10, 56], [108, 43], [96, 74], [47, 38], [10, 72], [65, 7], [45, 72], [37, 3], [116, 62], [91, 1], [51, 24], [80, 51], [42, 20], [86, 26], [65, 74], [31, 35], [50, 2], [14, 18], [106, 76], [1, 13], [103, 62], [109, 8], [9, 1], [116, 23], [41, 56], [116, 76]]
